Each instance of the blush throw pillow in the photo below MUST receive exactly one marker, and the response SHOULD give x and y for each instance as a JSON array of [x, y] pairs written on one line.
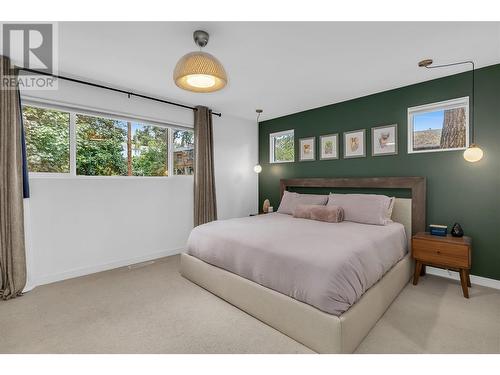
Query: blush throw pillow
[[363, 208], [291, 200], [329, 214]]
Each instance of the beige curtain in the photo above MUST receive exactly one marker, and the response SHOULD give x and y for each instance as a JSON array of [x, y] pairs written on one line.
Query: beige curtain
[[12, 255], [205, 205]]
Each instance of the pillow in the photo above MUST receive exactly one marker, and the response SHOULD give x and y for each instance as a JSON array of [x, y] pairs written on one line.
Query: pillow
[[303, 211], [363, 208], [291, 200], [329, 214]]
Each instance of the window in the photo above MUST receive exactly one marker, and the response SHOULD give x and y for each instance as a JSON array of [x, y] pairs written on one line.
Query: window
[[149, 150], [282, 147], [183, 145], [442, 126], [107, 147], [47, 139], [71, 143], [101, 146]]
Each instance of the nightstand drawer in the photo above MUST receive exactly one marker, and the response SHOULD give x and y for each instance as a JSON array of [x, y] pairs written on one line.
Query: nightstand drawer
[[441, 253]]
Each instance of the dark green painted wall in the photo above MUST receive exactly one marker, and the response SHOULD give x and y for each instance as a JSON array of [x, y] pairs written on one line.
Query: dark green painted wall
[[456, 190]]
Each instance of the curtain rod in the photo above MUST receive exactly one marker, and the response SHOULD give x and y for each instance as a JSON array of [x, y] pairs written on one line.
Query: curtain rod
[[129, 93]]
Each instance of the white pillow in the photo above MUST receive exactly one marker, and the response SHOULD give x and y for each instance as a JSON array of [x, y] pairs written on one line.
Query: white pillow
[[291, 200], [363, 208]]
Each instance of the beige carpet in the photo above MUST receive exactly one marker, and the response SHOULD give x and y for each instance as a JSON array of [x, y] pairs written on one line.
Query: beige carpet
[[154, 310]]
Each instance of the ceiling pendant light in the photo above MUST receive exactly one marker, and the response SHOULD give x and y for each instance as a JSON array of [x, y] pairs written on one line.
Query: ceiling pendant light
[[473, 153], [200, 71], [258, 168]]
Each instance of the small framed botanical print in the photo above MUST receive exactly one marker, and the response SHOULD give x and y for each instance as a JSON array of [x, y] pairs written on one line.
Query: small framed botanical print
[[385, 140], [307, 149], [354, 144], [329, 147]]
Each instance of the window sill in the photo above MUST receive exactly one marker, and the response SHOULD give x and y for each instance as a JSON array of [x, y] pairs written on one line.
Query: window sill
[[61, 176]]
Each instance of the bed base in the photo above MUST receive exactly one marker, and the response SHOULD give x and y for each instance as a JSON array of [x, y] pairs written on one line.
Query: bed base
[[321, 332]]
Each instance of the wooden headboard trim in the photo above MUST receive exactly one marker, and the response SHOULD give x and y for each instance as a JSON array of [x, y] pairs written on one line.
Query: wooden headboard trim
[[417, 185]]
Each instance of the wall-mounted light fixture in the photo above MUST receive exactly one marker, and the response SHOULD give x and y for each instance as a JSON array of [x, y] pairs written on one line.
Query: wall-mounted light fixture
[[473, 153]]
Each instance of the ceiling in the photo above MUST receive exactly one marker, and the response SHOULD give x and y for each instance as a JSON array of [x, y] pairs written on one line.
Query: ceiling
[[281, 67]]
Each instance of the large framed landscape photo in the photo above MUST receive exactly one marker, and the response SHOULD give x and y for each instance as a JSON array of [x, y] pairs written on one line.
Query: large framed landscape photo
[[441, 126]]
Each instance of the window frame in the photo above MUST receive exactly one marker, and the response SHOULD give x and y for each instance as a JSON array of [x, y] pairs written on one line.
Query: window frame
[[272, 136], [77, 110], [433, 107]]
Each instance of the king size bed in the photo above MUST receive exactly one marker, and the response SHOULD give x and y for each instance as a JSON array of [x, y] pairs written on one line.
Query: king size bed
[[323, 284]]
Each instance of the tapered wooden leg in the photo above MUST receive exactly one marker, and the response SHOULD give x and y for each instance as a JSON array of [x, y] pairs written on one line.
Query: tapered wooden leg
[[468, 278], [422, 271], [418, 269], [463, 281]]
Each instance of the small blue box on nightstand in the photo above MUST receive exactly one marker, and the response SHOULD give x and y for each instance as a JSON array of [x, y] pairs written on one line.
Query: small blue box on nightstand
[[438, 230]]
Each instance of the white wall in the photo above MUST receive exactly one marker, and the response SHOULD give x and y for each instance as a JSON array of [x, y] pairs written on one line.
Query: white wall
[[82, 225]]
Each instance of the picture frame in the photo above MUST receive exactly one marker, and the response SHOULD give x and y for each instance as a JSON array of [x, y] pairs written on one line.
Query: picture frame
[[385, 140], [329, 146], [439, 126], [307, 149], [354, 144]]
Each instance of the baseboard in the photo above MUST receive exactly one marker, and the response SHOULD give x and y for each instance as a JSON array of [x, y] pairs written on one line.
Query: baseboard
[[48, 279], [477, 280]]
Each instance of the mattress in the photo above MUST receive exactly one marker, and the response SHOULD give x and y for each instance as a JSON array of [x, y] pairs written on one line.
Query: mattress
[[326, 265]]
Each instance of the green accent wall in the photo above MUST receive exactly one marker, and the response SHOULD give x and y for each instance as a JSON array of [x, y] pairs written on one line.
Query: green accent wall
[[456, 190]]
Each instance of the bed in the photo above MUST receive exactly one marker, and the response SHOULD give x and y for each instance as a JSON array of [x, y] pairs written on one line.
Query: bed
[[275, 267]]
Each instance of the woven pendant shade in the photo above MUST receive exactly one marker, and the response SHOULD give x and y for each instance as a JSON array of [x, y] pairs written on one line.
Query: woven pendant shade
[[200, 72]]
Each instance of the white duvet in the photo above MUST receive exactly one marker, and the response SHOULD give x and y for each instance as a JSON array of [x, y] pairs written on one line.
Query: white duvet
[[326, 265]]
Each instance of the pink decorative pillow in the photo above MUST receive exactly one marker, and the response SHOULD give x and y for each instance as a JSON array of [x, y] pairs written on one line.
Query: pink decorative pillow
[[291, 200], [330, 214], [303, 211]]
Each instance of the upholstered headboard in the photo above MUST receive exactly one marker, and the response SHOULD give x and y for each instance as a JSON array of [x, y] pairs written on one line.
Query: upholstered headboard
[[415, 219], [402, 214]]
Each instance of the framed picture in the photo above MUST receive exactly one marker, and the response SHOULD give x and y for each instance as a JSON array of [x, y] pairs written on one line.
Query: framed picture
[[385, 140], [441, 126], [354, 144], [307, 150], [329, 147]]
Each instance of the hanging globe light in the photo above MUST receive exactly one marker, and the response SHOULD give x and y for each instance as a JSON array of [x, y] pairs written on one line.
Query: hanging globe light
[[473, 153]]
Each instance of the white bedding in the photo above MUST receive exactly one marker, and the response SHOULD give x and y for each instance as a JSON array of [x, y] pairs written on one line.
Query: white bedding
[[326, 265]]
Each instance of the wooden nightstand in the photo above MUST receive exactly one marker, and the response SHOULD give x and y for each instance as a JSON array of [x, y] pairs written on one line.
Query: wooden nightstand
[[448, 252]]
